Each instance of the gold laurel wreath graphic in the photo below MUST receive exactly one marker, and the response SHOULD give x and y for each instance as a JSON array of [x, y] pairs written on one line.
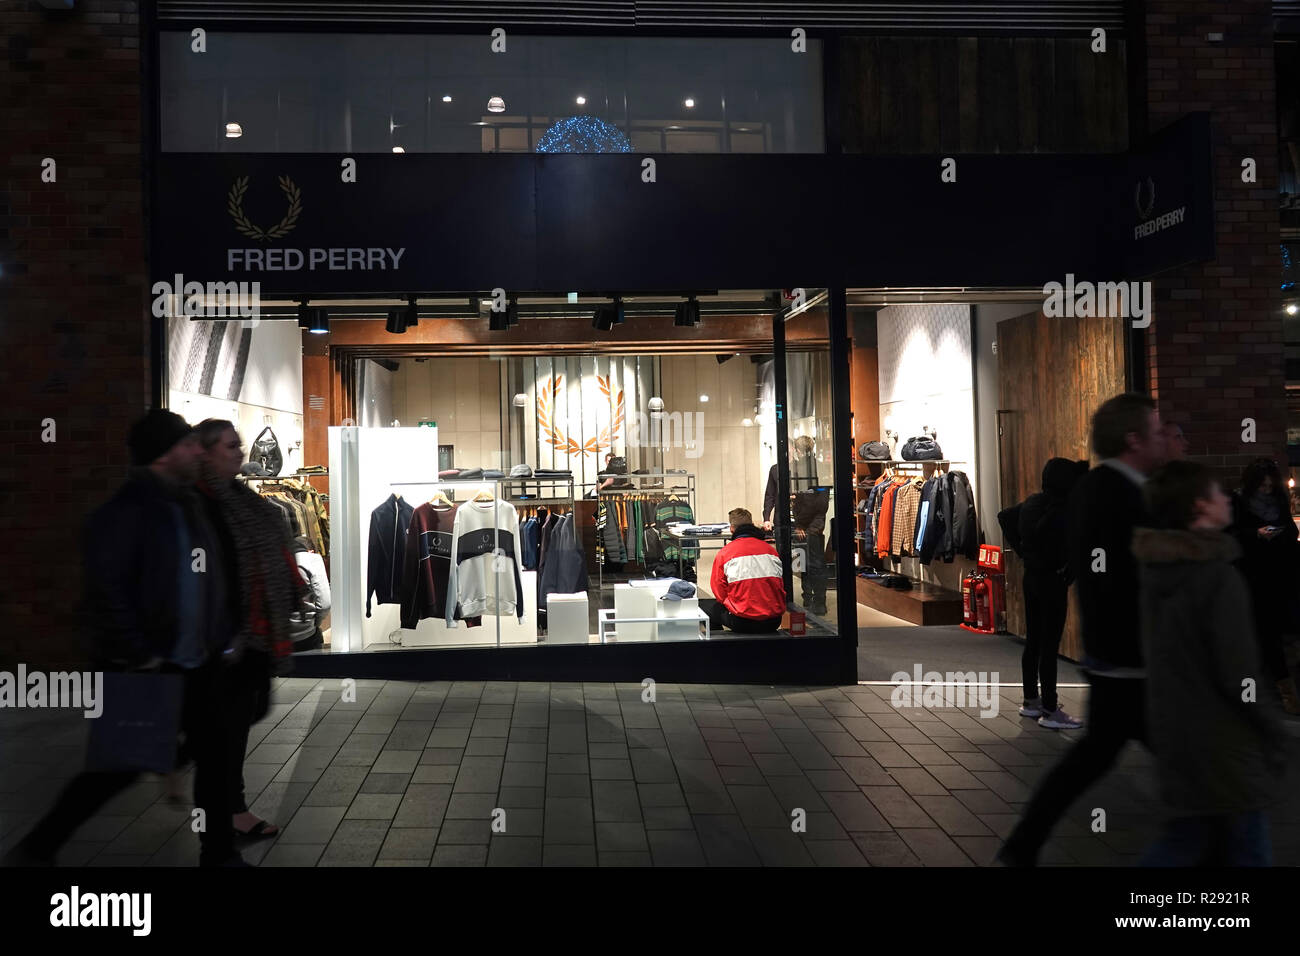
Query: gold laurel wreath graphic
[[235, 206], [558, 439]]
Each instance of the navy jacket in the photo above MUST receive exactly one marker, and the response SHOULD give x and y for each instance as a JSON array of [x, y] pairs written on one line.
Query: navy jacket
[[388, 525]]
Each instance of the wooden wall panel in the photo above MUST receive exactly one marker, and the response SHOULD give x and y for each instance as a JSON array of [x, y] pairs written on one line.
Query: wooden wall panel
[[1052, 375], [982, 95]]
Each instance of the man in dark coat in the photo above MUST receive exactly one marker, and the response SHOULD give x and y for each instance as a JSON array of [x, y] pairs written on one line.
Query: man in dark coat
[[150, 610], [1104, 509]]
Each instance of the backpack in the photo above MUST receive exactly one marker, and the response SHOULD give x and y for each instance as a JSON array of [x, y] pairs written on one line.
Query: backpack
[[921, 449]]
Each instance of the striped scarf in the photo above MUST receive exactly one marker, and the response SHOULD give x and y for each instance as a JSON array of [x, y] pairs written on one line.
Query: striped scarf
[[270, 588]]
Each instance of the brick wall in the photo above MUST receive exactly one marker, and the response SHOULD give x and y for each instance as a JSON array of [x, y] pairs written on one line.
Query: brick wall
[[73, 310], [1216, 353]]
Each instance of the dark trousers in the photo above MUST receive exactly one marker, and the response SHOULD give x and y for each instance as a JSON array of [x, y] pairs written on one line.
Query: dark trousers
[[813, 578], [1236, 839], [205, 728], [1116, 715], [720, 617], [246, 691], [1046, 602]]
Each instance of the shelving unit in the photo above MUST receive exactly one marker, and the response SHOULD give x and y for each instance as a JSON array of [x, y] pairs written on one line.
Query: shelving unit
[[684, 488]]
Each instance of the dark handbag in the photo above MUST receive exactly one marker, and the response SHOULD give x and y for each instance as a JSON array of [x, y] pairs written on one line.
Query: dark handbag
[[266, 451], [922, 449], [139, 725], [874, 451]]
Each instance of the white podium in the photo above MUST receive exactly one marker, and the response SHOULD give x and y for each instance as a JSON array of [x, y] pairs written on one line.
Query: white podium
[[566, 619]]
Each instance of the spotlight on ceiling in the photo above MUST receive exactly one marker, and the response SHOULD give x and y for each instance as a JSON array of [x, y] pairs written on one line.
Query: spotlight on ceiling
[[687, 314], [234, 131], [411, 314], [512, 312], [582, 101], [1292, 309], [499, 321], [396, 321], [620, 310], [520, 400], [689, 103], [496, 105], [399, 149], [722, 359], [605, 318], [304, 315], [319, 322], [446, 99]]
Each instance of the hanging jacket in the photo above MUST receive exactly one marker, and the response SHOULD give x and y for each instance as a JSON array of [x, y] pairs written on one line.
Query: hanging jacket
[[528, 536], [747, 576], [388, 524], [925, 520], [884, 533], [965, 537], [484, 573], [426, 563], [907, 502], [566, 563]]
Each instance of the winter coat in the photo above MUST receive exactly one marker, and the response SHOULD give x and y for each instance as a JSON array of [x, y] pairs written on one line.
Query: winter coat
[[132, 559], [1215, 753], [1102, 513], [747, 576], [565, 570]]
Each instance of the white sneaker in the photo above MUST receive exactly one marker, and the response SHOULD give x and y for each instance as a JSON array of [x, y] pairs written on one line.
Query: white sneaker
[[1059, 720], [1031, 708]]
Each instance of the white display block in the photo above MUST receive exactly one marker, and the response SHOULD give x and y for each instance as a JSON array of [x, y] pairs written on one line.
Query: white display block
[[686, 629], [566, 619], [635, 600]]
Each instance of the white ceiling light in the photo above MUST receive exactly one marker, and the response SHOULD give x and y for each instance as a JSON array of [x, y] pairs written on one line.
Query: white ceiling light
[[704, 398], [582, 101], [398, 149], [520, 400], [496, 105], [747, 422], [234, 131], [446, 99], [689, 103], [656, 404], [1292, 309]]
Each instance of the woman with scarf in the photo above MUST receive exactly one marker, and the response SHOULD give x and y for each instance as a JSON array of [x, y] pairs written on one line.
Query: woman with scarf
[[270, 592], [1270, 559]]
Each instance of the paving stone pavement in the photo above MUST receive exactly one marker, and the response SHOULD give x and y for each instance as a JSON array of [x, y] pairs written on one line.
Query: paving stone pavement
[[488, 773]]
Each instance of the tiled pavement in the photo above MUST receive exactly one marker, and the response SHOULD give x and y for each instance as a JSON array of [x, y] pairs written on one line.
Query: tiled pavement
[[415, 774]]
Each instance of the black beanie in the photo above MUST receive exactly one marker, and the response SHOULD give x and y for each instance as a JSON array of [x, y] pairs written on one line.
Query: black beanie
[[155, 434]]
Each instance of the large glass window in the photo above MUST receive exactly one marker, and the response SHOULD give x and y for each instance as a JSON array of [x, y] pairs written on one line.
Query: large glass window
[[452, 94]]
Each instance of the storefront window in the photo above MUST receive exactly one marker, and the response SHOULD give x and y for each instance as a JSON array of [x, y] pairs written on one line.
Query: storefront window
[[307, 93]]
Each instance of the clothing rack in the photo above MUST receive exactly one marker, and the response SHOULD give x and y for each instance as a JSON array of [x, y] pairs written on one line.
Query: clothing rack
[[680, 492]]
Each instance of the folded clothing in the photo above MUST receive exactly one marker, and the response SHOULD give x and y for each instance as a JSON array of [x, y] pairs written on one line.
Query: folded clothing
[[701, 528], [470, 474], [493, 473], [449, 473], [552, 473], [521, 471]]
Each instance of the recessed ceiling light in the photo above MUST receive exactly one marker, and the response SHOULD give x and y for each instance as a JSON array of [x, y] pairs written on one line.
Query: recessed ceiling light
[[446, 99], [704, 398], [690, 103], [398, 149], [582, 101], [496, 105], [234, 131], [1292, 309]]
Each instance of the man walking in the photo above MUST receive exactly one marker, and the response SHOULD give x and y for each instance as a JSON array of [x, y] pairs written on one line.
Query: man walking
[[153, 606], [1105, 507]]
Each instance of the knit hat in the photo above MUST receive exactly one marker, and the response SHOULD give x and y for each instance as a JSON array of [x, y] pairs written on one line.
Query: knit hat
[[155, 434]]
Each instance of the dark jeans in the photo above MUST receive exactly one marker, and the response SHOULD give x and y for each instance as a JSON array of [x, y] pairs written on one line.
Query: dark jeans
[[1237, 839], [813, 577], [247, 688], [1046, 602], [205, 728], [720, 617], [1116, 715]]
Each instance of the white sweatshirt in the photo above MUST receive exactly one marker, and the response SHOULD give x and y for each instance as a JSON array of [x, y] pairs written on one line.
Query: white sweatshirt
[[485, 561]]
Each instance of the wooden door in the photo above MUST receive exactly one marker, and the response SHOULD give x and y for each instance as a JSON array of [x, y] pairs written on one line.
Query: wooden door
[[1052, 375]]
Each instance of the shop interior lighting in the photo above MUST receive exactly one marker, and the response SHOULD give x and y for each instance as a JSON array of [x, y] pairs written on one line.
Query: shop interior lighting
[[1292, 309], [319, 323], [496, 105], [412, 313], [605, 318], [512, 312], [498, 321], [689, 103], [398, 149], [581, 101], [704, 398], [234, 131], [520, 400], [396, 321], [304, 315], [446, 99]]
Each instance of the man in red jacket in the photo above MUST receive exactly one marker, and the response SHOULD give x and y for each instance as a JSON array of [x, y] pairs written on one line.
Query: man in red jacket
[[747, 581]]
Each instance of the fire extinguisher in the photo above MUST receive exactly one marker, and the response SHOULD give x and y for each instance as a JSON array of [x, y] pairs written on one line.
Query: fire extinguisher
[[968, 597], [983, 603]]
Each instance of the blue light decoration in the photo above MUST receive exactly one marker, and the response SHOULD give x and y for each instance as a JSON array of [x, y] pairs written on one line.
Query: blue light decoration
[[583, 134]]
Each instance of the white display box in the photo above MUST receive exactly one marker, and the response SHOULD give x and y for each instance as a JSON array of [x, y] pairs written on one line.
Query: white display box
[[567, 620]]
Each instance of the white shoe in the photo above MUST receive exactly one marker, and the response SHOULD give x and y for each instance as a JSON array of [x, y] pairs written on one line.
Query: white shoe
[[1059, 720]]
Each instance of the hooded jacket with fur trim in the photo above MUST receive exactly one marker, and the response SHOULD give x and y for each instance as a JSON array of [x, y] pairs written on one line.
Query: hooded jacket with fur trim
[[1215, 752]]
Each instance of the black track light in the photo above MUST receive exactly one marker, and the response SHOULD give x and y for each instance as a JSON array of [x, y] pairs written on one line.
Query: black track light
[[512, 313], [605, 318], [319, 322], [397, 322], [498, 321], [693, 310], [619, 310], [412, 316], [304, 314]]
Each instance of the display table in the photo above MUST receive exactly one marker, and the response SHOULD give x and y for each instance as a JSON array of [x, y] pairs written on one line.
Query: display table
[[607, 623]]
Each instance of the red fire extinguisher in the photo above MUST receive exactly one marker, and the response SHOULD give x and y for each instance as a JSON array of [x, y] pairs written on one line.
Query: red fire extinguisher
[[968, 597], [983, 603]]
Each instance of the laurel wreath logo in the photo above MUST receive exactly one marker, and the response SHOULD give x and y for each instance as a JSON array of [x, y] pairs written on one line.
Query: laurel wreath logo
[[235, 206], [558, 439]]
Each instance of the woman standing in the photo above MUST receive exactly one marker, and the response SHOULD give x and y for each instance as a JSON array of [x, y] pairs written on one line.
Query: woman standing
[[270, 591], [1263, 527]]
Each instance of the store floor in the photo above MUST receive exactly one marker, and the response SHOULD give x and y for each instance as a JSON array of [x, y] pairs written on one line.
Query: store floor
[[589, 774]]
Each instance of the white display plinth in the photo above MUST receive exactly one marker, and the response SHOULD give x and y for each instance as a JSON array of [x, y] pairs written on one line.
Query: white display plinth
[[567, 620], [636, 600]]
